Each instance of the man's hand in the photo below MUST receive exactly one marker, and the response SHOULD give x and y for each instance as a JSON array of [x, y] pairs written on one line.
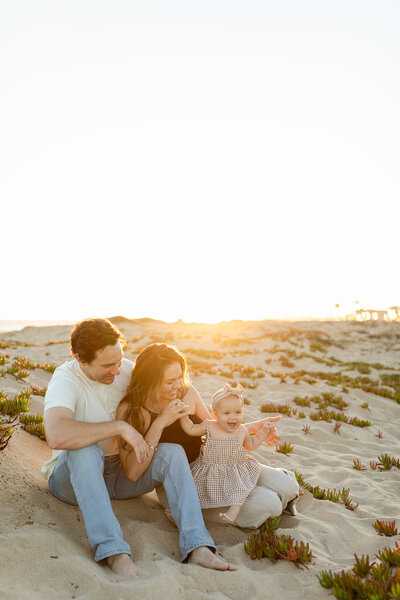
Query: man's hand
[[135, 440]]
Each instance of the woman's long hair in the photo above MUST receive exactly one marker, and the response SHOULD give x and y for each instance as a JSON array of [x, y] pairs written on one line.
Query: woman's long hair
[[147, 376]]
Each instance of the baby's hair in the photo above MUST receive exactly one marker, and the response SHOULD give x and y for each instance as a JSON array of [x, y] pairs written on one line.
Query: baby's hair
[[226, 391]]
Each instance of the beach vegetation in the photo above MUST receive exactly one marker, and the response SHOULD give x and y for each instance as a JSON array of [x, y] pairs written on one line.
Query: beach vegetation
[[47, 367], [13, 406], [284, 448], [317, 347], [285, 362], [306, 429], [270, 407], [22, 373], [336, 427], [357, 464], [334, 495], [386, 462], [38, 391], [266, 543], [6, 431], [33, 424], [387, 528], [203, 353], [10, 408]]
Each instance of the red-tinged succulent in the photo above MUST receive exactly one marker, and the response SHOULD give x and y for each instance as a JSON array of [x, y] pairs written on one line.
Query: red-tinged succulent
[[387, 528]]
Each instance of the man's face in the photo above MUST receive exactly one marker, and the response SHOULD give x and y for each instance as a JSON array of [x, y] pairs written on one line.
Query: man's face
[[105, 365]]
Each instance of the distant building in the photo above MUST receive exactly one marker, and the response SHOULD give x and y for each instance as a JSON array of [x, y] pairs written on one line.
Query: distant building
[[362, 314], [394, 313]]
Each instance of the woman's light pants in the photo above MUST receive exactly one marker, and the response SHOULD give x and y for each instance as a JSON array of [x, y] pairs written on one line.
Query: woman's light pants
[[87, 478]]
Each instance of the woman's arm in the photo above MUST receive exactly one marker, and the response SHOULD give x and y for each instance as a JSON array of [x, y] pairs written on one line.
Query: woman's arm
[[196, 405], [133, 469], [191, 428]]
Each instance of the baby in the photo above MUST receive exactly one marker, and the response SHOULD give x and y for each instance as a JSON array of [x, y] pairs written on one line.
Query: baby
[[224, 473]]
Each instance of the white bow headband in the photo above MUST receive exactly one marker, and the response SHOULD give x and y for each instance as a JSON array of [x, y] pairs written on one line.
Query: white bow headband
[[226, 391]]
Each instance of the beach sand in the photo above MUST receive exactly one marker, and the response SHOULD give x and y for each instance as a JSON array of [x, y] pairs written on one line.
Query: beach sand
[[44, 552]]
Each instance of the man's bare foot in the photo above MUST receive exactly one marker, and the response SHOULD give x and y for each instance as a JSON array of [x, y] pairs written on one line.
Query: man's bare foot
[[205, 558], [121, 564]]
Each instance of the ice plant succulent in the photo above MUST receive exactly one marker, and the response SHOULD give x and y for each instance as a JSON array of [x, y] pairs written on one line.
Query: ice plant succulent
[[327, 494], [366, 581], [268, 544], [284, 448], [387, 528], [357, 464]]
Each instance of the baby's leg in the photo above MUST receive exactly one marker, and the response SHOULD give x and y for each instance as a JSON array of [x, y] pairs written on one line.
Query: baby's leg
[[231, 514]]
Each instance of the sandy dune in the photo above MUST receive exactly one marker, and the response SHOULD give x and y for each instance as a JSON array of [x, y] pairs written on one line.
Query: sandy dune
[[44, 552]]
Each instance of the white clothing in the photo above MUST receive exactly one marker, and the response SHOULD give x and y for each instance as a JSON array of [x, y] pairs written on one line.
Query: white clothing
[[90, 401]]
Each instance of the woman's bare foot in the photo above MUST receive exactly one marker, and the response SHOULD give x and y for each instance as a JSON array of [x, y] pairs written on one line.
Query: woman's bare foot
[[205, 558], [231, 514], [121, 564]]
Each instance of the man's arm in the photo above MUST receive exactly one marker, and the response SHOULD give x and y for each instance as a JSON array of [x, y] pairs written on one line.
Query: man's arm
[[63, 432]]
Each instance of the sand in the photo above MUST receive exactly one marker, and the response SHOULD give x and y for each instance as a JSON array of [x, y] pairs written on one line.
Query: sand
[[44, 552]]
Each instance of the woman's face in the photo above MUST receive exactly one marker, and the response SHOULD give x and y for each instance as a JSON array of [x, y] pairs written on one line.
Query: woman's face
[[171, 383]]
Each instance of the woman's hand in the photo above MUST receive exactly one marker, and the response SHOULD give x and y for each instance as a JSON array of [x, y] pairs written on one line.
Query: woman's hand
[[172, 412]]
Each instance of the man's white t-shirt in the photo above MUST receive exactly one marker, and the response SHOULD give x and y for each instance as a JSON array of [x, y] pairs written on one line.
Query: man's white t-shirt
[[90, 401]]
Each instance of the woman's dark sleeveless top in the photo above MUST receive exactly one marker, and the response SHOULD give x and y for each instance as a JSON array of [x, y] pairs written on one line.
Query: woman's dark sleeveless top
[[174, 434]]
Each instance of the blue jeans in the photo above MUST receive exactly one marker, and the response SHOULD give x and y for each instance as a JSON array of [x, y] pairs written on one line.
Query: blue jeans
[[87, 478]]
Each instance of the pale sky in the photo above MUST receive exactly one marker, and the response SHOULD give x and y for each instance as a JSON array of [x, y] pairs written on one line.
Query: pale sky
[[203, 160]]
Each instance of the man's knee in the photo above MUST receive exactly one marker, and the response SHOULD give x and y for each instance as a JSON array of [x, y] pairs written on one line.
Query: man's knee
[[170, 458], [170, 452], [89, 456]]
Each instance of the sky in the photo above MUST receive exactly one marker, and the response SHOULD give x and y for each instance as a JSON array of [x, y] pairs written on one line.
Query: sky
[[203, 160]]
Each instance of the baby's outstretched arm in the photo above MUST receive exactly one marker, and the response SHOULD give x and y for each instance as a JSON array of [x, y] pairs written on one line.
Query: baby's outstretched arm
[[255, 426], [267, 434], [191, 428]]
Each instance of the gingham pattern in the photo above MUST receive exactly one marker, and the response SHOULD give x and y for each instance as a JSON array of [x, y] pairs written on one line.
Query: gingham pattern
[[224, 473]]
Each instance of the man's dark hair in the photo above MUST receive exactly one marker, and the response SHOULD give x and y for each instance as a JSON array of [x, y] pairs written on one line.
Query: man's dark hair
[[92, 335]]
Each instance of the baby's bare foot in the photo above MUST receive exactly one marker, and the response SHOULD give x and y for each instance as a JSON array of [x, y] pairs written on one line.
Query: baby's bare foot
[[231, 514], [203, 557], [225, 517], [121, 564]]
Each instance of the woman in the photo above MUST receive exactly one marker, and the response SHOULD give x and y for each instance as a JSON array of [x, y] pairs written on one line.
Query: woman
[[152, 405], [159, 395]]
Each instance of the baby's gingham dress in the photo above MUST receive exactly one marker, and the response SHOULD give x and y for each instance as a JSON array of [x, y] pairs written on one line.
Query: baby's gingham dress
[[224, 473]]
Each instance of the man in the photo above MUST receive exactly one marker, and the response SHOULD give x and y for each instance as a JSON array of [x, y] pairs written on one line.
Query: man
[[79, 421]]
